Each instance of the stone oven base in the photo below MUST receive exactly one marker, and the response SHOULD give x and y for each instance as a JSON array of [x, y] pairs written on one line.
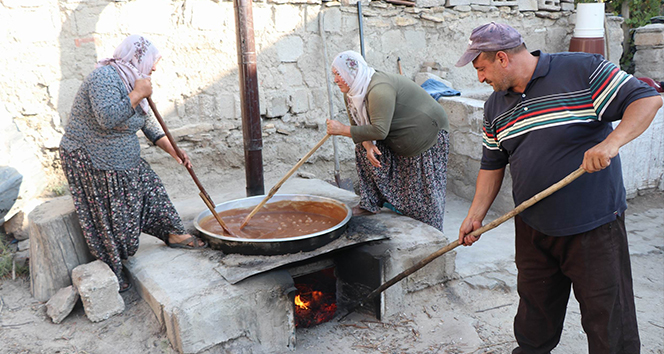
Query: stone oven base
[[202, 312]]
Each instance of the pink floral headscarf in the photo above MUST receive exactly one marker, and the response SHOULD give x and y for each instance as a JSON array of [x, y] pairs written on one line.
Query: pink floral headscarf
[[357, 74], [133, 59]]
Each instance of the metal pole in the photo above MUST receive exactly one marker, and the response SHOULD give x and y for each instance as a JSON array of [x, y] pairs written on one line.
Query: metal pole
[[251, 122], [321, 26], [359, 18]]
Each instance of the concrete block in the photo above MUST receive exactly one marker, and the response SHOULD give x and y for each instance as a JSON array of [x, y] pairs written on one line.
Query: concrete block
[[483, 8], [527, 5], [504, 3], [650, 35], [98, 287], [567, 6], [452, 3], [61, 304], [548, 5], [289, 49]]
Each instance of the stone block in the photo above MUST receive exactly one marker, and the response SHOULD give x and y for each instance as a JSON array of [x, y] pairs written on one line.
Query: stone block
[[226, 106], [332, 20], [10, 186], [299, 101], [289, 49], [548, 5], [416, 40], [21, 258], [650, 35], [429, 3], [60, 305], [98, 287], [277, 106], [287, 18], [648, 63], [206, 15], [391, 39], [24, 245], [480, 2], [432, 17], [403, 21]]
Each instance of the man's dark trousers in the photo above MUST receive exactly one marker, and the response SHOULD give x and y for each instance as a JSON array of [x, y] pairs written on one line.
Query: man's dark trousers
[[597, 264]]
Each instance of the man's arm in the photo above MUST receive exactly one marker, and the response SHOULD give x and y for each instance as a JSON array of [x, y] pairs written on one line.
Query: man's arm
[[636, 119], [486, 189]]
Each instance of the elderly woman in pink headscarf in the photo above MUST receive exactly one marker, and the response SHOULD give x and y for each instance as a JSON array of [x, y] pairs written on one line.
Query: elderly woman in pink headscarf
[[116, 193], [402, 139]]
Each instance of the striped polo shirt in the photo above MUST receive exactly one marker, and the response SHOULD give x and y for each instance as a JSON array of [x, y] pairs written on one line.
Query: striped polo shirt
[[543, 133]]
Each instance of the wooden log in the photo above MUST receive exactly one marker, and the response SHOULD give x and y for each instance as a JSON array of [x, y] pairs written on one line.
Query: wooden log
[[57, 246]]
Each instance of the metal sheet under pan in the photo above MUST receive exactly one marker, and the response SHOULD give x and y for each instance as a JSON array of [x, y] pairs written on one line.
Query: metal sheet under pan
[[236, 267]]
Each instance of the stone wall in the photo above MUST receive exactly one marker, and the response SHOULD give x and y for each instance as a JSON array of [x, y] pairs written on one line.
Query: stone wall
[[49, 46], [649, 56]]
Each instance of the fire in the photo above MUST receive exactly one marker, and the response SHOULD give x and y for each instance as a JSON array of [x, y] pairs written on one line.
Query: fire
[[301, 304], [313, 306]]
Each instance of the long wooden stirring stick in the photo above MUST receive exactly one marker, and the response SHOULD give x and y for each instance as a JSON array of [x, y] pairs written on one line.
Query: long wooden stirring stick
[[203, 194], [283, 179], [521, 207]]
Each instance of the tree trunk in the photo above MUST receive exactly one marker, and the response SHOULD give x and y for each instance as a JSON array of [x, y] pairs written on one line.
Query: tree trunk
[[56, 246]]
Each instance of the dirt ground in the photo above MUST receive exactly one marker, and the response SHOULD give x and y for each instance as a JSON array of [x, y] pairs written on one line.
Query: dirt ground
[[454, 317]]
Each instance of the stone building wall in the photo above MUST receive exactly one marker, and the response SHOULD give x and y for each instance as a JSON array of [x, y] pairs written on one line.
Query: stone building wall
[[49, 46]]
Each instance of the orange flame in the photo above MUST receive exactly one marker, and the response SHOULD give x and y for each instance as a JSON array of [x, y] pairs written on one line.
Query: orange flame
[[301, 304]]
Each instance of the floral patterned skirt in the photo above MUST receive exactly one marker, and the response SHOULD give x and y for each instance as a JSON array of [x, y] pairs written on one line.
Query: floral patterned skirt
[[114, 207], [415, 186]]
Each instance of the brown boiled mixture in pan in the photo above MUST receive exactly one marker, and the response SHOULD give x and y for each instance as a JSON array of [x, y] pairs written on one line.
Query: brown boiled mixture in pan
[[276, 220]]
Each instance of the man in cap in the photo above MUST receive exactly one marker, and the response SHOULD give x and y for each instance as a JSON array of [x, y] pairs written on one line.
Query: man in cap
[[550, 114]]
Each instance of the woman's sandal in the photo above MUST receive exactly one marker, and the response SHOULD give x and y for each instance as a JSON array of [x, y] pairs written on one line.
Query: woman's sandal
[[189, 243], [125, 284]]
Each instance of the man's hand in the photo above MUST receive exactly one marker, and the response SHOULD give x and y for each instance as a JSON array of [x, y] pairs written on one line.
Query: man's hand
[[599, 156], [467, 226], [372, 151]]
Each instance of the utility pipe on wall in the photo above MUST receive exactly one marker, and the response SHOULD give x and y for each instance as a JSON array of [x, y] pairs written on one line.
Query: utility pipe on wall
[[251, 120]]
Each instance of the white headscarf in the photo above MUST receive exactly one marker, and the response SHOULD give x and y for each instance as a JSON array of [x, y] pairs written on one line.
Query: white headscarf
[[133, 59], [357, 74]]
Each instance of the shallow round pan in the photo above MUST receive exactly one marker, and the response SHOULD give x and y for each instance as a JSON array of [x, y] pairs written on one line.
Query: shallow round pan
[[309, 242]]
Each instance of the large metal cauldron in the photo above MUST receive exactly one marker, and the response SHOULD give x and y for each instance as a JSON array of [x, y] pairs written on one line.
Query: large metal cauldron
[[295, 244]]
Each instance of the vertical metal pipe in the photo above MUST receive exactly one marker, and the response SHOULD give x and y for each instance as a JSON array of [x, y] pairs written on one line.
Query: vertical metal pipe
[[359, 18], [321, 28], [251, 120]]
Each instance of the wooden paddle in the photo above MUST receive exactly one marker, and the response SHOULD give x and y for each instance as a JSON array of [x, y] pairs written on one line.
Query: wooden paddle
[[523, 206], [283, 179], [203, 194]]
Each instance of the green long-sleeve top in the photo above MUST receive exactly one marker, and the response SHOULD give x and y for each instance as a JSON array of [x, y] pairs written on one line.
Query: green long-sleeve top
[[402, 114]]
